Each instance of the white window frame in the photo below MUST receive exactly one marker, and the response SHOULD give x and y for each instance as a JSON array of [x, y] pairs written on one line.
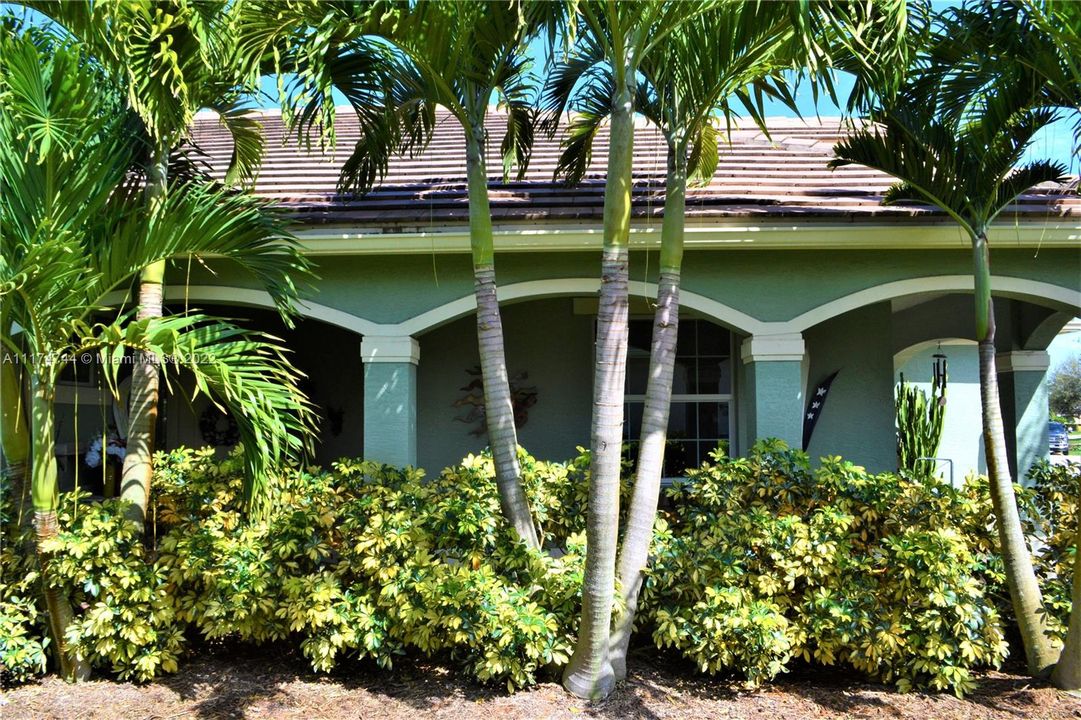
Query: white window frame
[[729, 398]]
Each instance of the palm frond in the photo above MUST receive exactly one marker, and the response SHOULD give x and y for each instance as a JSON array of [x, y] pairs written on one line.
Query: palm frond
[[247, 373], [248, 142], [1024, 178], [204, 222]]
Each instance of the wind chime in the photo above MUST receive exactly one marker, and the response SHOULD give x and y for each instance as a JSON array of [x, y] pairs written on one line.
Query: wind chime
[[938, 376]]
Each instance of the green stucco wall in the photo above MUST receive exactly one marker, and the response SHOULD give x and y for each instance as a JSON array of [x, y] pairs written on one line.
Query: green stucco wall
[[767, 285], [857, 420], [773, 403], [962, 427], [554, 345], [543, 338], [1024, 410], [390, 405]]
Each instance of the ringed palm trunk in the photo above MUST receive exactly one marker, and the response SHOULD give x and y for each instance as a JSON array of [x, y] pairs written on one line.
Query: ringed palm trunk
[[498, 406], [642, 514], [44, 494], [1020, 578], [589, 673], [1067, 674], [145, 377]]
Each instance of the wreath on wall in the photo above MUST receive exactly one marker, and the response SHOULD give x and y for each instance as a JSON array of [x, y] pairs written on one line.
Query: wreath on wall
[[218, 428], [522, 397]]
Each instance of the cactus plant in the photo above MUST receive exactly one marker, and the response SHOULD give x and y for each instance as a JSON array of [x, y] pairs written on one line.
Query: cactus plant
[[919, 423]]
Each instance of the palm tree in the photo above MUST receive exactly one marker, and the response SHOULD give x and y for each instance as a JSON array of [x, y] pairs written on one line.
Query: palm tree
[[613, 40], [734, 48], [734, 53], [968, 165], [173, 57], [1030, 46], [1031, 49], [731, 53], [73, 228], [451, 55]]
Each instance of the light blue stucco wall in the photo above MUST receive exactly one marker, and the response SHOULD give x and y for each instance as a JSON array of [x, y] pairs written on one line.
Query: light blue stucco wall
[[962, 427], [857, 420], [544, 338], [1025, 411], [774, 402]]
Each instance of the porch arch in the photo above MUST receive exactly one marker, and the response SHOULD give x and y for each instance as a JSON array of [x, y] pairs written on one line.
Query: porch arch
[[249, 297], [567, 287], [1032, 290]]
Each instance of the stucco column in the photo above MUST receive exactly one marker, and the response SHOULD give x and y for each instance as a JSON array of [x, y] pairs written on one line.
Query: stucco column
[[1022, 387], [774, 388], [390, 398]]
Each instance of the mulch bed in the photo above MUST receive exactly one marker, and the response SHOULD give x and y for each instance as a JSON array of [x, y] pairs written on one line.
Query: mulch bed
[[276, 683]]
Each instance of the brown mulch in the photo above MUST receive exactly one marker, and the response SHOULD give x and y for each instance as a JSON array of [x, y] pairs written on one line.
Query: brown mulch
[[272, 683]]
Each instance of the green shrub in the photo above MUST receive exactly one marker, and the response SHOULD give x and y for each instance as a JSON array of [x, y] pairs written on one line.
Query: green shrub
[[370, 561], [762, 560], [127, 619], [1054, 516], [23, 637], [757, 562]]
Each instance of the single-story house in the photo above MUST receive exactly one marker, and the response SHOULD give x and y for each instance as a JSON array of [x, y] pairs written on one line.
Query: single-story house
[[793, 272]]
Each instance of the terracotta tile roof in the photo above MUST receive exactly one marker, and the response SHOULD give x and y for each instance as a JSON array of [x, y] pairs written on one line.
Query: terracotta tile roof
[[782, 176]]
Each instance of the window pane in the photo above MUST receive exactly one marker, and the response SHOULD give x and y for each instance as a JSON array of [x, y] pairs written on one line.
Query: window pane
[[709, 420], [632, 420], [705, 447], [715, 375], [684, 381], [686, 345], [640, 335], [682, 421], [713, 339], [678, 456], [637, 372]]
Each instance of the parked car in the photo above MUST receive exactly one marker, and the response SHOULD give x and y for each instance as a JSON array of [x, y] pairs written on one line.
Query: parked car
[[1060, 441]]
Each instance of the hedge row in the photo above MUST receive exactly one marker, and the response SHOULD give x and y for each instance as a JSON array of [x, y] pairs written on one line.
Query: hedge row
[[757, 562]]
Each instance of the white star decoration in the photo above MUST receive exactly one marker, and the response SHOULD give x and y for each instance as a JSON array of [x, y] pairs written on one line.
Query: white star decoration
[[821, 391], [810, 416], [816, 405]]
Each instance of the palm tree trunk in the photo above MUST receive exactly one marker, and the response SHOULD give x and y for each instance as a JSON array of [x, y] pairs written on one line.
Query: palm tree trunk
[[145, 378], [634, 552], [498, 407], [1067, 674], [1020, 578], [589, 673], [44, 491]]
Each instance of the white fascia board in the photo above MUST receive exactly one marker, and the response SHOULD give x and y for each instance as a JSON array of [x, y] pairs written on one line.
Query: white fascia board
[[886, 234]]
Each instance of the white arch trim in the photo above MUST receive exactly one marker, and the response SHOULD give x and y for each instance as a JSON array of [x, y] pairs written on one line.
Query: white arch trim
[[567, 287], [901, 357], [249, 297], [1058, 296], [1000, 284]]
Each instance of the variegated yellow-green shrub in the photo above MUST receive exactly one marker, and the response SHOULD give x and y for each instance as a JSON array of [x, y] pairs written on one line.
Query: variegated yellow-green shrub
[[757, 562], [369, 561], [127, 621], [1054, 500], [23, 640], [762, 560]]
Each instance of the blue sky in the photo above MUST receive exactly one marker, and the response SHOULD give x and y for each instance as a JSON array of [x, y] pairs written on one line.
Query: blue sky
[[1054, 142]]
